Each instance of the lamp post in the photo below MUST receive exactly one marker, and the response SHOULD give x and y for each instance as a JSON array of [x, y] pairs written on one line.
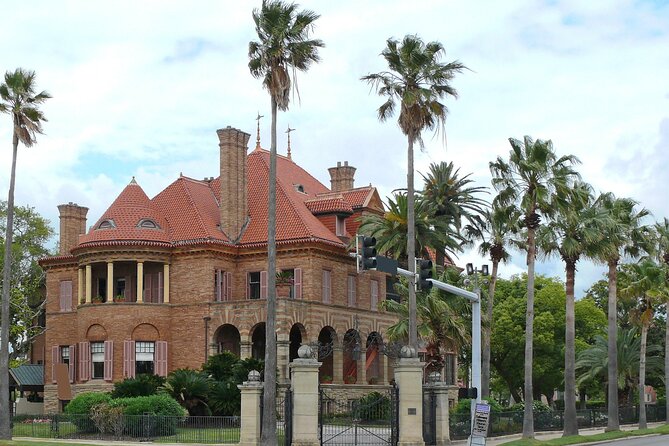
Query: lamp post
[[474, 272]]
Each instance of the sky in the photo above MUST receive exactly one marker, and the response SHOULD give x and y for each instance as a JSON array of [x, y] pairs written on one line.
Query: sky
[[140, 87]]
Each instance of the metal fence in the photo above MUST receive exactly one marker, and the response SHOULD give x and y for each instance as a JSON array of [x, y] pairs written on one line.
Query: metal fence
[[215, 430], [506, 423]]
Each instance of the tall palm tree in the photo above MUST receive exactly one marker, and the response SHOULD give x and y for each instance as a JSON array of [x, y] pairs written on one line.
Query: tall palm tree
[[625, 236], [284, 46], [417, 80], [452, 197], [494, 230], [536, 180], [391, 228], [647, 286], [18, 98], [662, 250], [575, 233]]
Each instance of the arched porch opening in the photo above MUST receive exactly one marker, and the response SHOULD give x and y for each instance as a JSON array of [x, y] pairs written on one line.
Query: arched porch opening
[[258, 342], [374, 372], [297, 334], [351, 347], [326, 338], [228, 339]]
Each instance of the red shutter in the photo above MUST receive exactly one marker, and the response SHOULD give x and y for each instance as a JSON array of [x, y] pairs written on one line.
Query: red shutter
[[263, 284], [66, 295], [128, 359], [84, 361], [161, 358], [374, 284], [72, 366], [109, 361], [55, 359], [228, 286], [298, 283], [159, 287], [219, 292]]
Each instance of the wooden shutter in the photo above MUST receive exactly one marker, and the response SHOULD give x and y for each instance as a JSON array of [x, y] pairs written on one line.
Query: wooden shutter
[[72, 366], [109, 361], [298, 283], [84, 361], [159, 288], [161, 358], [147, 287], [263, 284], [327, 290], [351, 291], [217, 285], [374, 292], [128, 359], [66, 295], [228, 287], [55, 359]]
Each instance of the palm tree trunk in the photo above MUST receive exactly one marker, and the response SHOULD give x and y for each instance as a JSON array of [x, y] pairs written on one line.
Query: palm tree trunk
[[269, 398], [570, 422], [666, 361], [5, 432], [642, 376], [613, 423], [411, 247], [487, 331], [528, 418]]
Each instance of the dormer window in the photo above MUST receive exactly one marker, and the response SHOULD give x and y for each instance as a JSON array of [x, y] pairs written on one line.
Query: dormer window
[[147, 223], [107, 224], [341, 226], [299, 188]]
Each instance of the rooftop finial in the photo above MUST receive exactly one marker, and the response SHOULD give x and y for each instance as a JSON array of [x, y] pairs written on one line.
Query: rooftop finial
[[288, 132], [258, 131], [133, 180]]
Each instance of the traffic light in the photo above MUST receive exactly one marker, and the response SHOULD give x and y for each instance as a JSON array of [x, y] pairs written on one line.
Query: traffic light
[[366, 254], [423, 272]]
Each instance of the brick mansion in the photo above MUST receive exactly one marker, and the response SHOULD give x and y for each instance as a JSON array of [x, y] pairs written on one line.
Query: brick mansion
[[158, 284]]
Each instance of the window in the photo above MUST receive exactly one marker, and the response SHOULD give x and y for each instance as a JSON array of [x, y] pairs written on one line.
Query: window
[[98, 359], [222, 285], [66, 295], [374, 294], [153, 287], [299, 188], [340, 226], [102, 288], [120, 287], [327, 286], [144, 357], [351, 291], [146, 223], [107, 224], [391, 294], [254, 285], [65, 354]]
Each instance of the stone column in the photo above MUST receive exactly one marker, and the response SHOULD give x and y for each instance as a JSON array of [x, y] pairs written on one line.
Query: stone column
[[409, 378], [110, 282], [361, 365], [249, 434], [81, 281], [282, 358], [441, 392], [89, 283], [337, 363], [304, 383], [140, 282], [166, 283], [244, 349], [384, 378]]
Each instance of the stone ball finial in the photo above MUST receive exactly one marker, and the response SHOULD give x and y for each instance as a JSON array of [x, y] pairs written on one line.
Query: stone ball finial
[[408, 352], [254, 376], [434, 377], [305, 352]]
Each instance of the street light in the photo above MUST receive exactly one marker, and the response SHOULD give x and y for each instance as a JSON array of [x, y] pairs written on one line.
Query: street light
[[473, 272]]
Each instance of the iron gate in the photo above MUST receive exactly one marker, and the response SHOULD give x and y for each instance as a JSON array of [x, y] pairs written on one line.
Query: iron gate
[[284, 416], [429, 417], [369, 420]]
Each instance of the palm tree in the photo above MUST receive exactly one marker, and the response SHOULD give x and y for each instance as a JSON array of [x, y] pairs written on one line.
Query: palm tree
[[536, 180], [494, 231], [452, 198], [284, 46], [625, 235], [189, 388], [662, 250], [390, 229], [18, 98], [646, 285], [575, 233], [418, 81]]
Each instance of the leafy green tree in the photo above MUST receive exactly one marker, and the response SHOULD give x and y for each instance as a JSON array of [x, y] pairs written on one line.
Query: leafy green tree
[[576, 232], [284, 46], [625, 235], [190, 388], [590, 321], [418, 81], [18, 98], [537, 181]]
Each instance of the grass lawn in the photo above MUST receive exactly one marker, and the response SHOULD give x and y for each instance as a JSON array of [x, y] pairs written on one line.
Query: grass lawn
[[580, 439]]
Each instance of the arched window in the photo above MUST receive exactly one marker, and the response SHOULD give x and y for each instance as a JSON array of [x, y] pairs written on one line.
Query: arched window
[[299, 188], [107, 224], [147, 223]]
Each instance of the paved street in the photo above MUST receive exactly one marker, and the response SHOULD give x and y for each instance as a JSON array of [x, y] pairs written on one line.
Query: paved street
[[642, 441]]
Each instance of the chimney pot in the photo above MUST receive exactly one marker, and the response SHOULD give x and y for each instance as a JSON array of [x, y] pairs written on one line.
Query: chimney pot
[[72, 224], [341, 177], [233, 144]]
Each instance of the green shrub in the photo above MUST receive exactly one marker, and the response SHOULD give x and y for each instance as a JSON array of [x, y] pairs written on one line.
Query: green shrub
[[373, 406], [464, 406], [162, 404], [537, 406], [225, 398], [81, 406], [595, 404], [141, 385], [221, 367]]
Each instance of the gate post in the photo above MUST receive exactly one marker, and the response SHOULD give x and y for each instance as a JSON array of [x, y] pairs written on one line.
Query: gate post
[[441, 391], [409, 379], [304, 384], [249, 434]]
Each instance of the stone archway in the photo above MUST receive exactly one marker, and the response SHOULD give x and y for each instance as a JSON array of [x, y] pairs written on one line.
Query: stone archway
[[258, 341], [373, 360], [297, 335], [327, 339], [227, 339], [352, 352]]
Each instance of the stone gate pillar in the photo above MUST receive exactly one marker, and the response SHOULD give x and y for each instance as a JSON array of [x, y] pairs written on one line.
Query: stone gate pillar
[[409, 379], [249, 434], [441, 392], [304, 384]]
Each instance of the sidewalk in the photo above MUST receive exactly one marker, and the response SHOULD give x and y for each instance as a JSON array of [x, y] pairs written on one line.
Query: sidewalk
[[543, 436]]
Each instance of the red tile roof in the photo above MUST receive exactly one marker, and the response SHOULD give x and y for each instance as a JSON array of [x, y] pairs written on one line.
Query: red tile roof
[[358, 197], [329, 204]]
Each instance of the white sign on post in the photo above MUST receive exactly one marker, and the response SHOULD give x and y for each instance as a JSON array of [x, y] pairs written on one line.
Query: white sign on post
[[480, 424]]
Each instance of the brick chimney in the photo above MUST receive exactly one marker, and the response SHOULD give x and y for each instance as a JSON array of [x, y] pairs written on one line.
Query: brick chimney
[[72, 223], [233, 205], [341, 177]]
